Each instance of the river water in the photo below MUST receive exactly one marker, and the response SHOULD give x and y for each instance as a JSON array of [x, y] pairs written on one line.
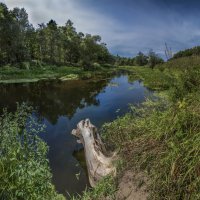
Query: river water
[[61, 105]]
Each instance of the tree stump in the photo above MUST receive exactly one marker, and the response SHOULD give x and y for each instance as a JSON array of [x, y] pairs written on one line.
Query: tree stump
[[99, 161]]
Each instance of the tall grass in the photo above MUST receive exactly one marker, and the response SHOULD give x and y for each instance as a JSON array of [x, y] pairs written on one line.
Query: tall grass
[[162, 137], [10, 74], [104, 189]]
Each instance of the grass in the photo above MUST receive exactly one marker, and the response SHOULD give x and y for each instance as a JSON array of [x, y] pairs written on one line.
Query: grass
[[10, 74], [163, 141], [182, 63], [105, 189], [154, 79], [162, 138]]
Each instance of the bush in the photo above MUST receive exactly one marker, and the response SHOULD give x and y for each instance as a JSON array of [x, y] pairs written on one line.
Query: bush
[[107, 65], [24, 169], [141, 59], [187, 82], [96, 66], [85, 64], [36, 64], [24, 65]]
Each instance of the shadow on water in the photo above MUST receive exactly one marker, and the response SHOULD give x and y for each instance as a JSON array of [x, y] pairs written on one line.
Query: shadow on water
[[61, 106]]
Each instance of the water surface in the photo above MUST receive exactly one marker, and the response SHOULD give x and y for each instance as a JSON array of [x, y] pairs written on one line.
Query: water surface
[[61, 106]]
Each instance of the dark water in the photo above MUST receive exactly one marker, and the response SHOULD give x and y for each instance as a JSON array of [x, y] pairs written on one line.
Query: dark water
[[61, 106]]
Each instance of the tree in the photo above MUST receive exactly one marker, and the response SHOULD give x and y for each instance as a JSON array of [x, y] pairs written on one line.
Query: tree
[[71, 43], [154, 59], [41, 43], [51, 32], [21, 43], [90, 50], [6, 34], [19, 30], [141, 59]]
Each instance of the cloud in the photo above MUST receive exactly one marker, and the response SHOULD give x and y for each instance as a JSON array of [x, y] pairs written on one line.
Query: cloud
[[84, 18], [126, 26]]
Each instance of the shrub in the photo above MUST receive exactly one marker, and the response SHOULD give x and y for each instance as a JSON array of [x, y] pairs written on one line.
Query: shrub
[[24, 169], [141, 59], [96, 66], [24, 65], [154, 59]]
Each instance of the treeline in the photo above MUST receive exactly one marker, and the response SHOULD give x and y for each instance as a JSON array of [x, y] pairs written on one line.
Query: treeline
[[195, 51], [141, 59], [21, 43]]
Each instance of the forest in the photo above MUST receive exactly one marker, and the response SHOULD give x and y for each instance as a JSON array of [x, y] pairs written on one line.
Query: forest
[[24, 46], [21, 44]]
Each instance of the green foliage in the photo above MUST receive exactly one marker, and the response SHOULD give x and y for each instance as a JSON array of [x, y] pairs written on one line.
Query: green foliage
[[141, 59], [187, 82], [154, 59], [24, 169], [195, 51], [14, 74], [162, 137], [155, 79], [123, 61], [21, 43], [181, 63], [104, 189]]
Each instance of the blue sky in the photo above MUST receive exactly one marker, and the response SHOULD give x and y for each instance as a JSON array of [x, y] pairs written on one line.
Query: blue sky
[[127, 26]]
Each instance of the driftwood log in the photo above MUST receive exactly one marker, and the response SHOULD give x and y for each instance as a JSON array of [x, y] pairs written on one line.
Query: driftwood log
[[99, 161]]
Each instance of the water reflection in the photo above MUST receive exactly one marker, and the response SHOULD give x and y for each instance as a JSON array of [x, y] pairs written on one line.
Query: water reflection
[[53, 99], [61, 106]]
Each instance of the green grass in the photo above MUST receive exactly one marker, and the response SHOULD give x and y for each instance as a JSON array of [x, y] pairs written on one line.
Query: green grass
[[12, 74], [16, 75], [155, 79], [182, 63], [163, 141], [162, 138], [104, 189]]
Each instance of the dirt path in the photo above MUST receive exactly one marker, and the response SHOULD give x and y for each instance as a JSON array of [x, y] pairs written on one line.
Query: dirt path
[[132, 186]]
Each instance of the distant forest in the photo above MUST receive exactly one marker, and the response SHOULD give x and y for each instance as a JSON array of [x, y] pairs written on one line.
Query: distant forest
[[195, 51], [21, 45], [48, 43]]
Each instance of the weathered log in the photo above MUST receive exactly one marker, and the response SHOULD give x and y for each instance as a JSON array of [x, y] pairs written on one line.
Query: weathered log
[[99, 161]]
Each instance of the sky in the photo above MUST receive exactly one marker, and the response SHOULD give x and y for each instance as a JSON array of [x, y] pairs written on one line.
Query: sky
[[126, 26]]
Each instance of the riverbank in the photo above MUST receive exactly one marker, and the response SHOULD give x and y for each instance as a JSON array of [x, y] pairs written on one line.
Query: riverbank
[[160, 140], [59, 105], [16, 75]]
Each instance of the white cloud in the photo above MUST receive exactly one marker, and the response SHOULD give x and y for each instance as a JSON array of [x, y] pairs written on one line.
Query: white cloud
[[144, 30], [85, 19]]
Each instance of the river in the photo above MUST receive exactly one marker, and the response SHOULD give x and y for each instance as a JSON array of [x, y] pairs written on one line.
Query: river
[[61, 105]]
